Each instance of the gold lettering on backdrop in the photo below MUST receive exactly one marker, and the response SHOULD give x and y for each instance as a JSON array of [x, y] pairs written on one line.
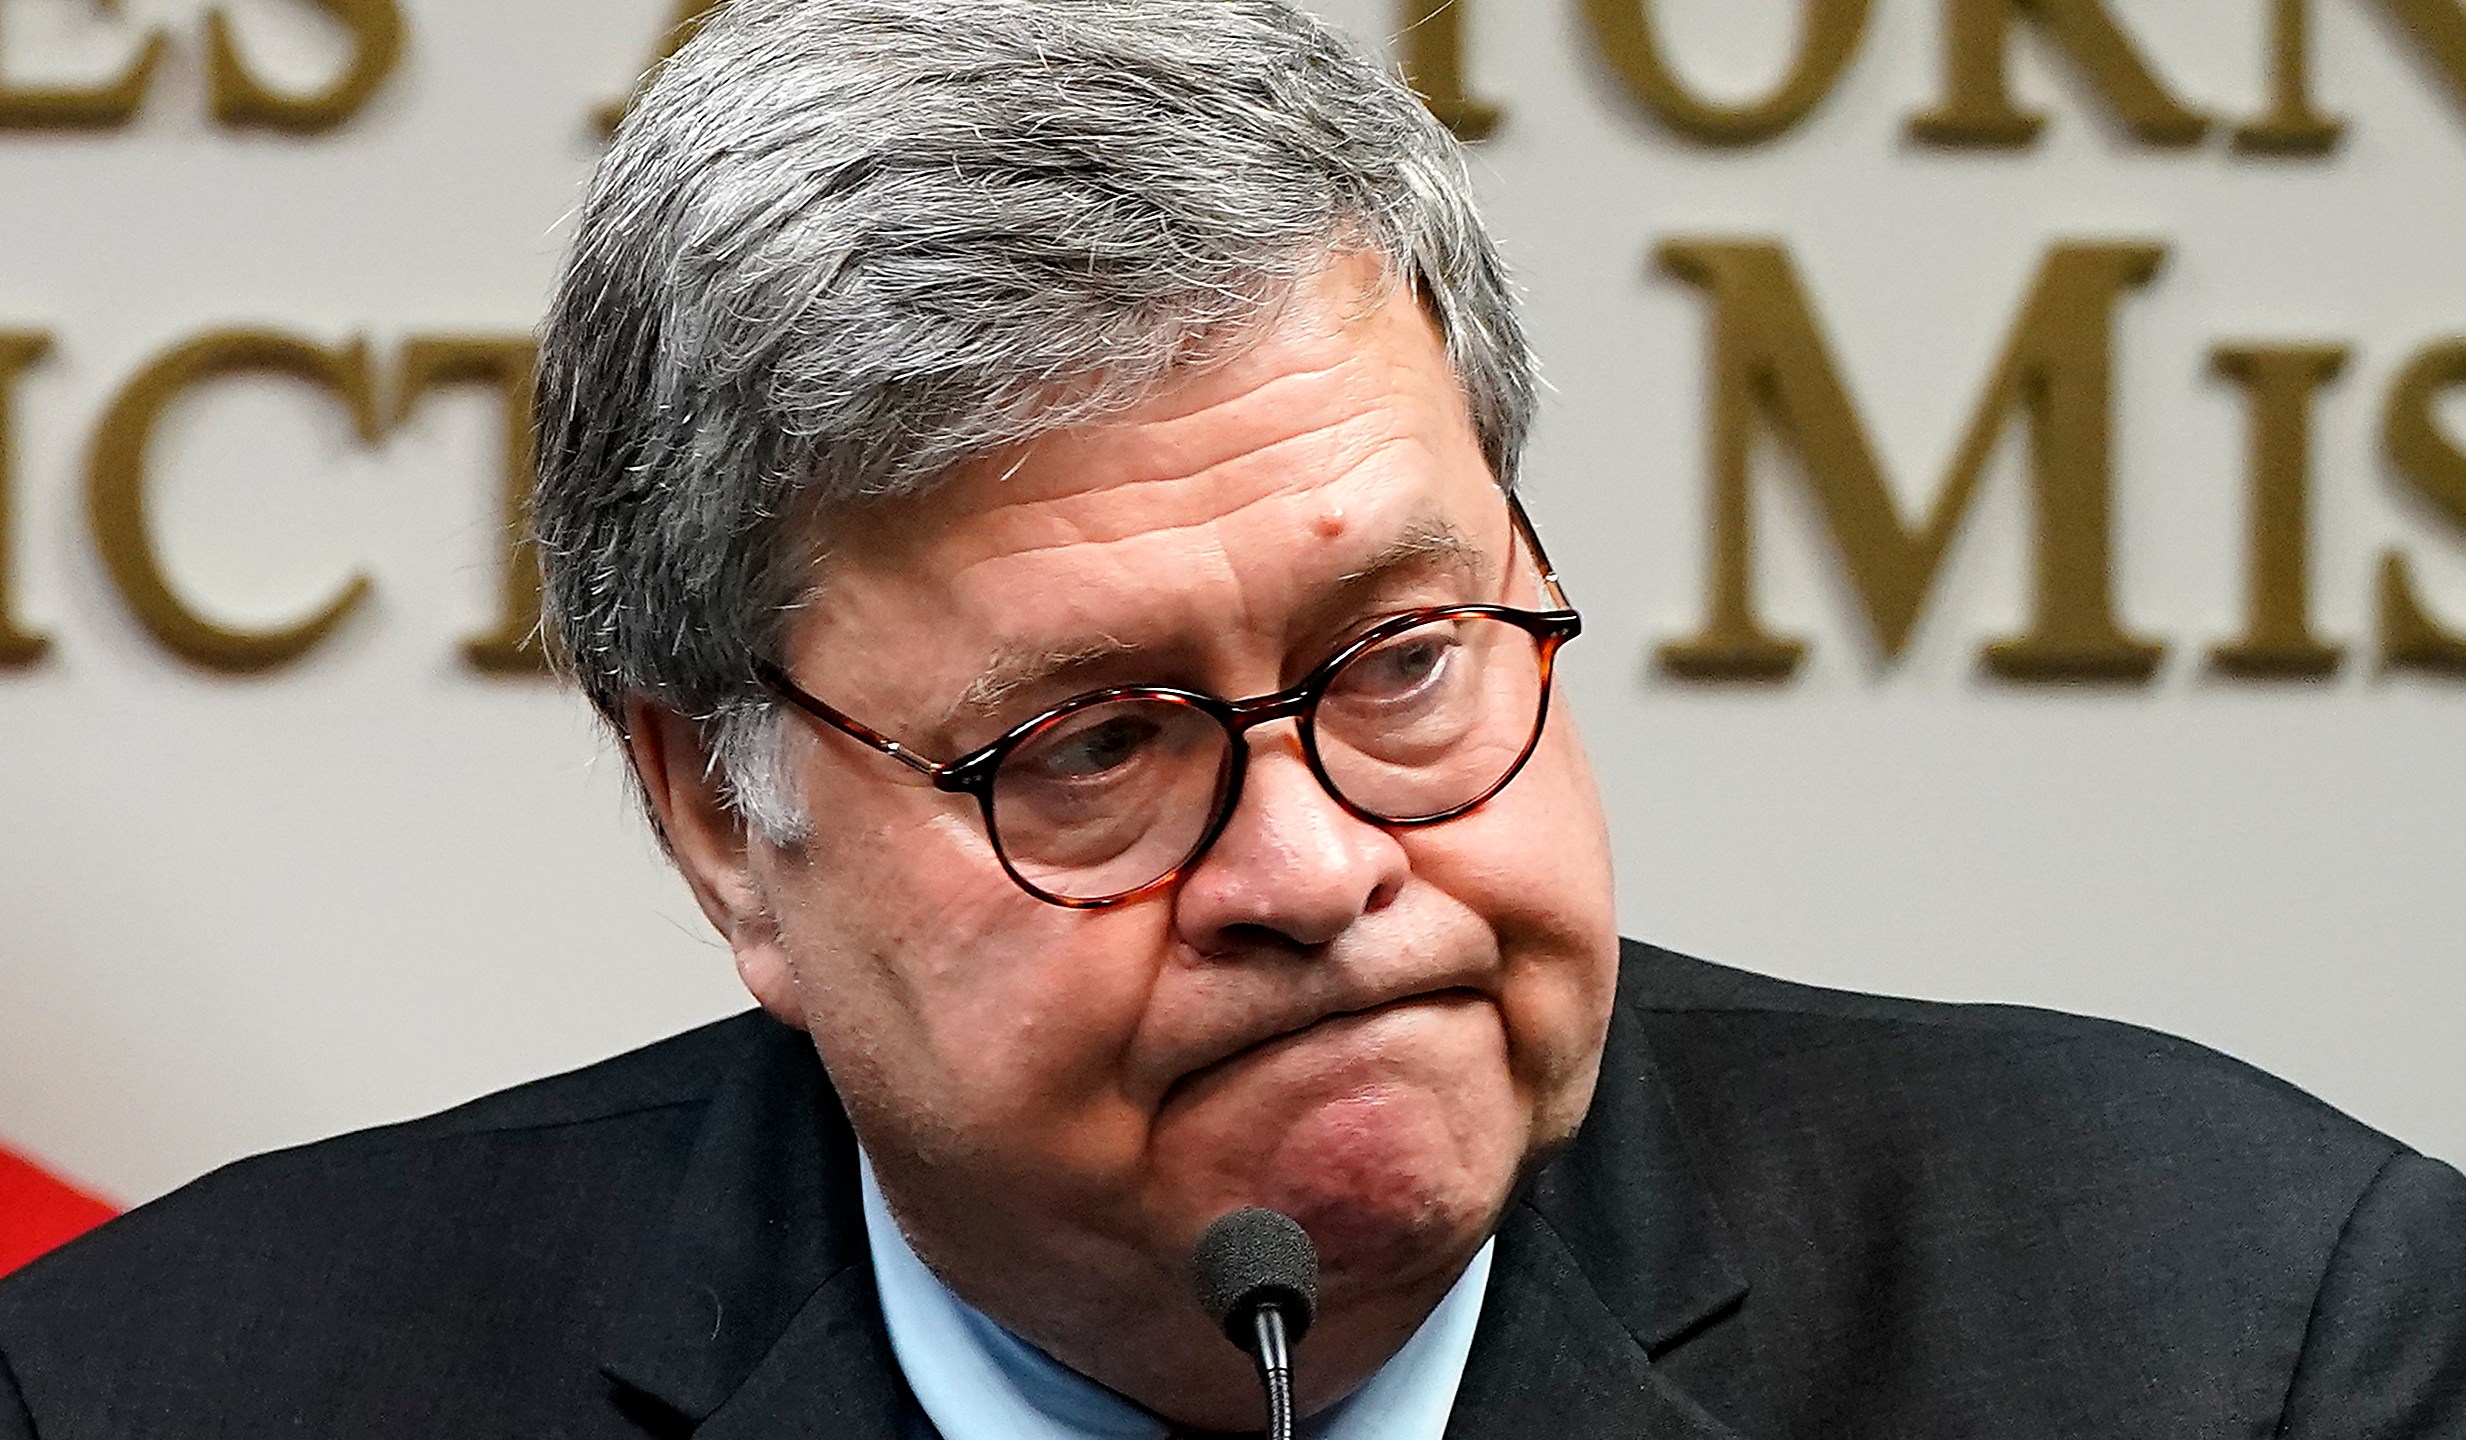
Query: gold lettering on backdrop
[[1833, 31], [2435, 466], [102, 107], [504, 364], [1977, 108], [2294, 125], [19, 352], [238, 98], [2279, 385], [1770, 359], [688, 18], [2438, 28], [1434, 63], [116, 490]]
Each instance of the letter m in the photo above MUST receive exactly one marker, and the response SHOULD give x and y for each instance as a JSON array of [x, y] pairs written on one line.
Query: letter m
[[1769, 363]]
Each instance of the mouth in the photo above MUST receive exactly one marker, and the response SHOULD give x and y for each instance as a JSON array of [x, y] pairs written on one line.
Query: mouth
[[1199, 1080]]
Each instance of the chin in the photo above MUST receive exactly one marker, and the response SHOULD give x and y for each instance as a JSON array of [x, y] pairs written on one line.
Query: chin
[[1363, 1250], [1391, 1188]]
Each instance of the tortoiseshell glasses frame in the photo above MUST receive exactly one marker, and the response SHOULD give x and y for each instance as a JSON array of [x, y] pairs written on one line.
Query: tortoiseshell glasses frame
[[1162, 709]]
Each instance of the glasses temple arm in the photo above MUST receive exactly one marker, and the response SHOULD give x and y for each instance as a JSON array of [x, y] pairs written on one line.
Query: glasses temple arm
[[1541, 557], [788, 690]]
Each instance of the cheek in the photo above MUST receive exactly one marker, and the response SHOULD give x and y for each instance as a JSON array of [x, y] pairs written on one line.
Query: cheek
[[1534, 867], [959, 1017]]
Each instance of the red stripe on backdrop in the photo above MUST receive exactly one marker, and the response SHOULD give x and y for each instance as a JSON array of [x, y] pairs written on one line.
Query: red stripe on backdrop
[[39, 1211]]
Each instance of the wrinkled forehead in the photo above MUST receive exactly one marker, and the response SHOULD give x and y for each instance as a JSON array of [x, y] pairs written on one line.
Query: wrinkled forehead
[[1342, 404], [1334, 454]]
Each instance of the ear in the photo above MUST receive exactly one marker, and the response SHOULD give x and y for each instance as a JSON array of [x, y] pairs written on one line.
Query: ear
[[712, 850]]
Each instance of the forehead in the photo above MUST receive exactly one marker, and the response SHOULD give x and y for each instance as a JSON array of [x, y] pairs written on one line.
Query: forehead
[[1229, 506]]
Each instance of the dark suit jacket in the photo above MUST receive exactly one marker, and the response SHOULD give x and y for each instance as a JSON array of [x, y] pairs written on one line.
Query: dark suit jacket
[[1791, 1212]]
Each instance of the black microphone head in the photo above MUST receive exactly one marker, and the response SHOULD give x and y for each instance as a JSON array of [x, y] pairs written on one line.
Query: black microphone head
[[1252, 1258]]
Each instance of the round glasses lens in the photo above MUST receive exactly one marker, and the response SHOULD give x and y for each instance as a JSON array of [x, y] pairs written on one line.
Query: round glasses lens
[[1102, 799], [1434, 719]]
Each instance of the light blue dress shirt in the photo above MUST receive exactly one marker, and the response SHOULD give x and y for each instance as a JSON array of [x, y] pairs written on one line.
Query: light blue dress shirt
[[977, 1381]]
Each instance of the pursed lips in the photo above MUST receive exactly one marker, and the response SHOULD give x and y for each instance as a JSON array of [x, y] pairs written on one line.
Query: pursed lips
[[1244, 1047]]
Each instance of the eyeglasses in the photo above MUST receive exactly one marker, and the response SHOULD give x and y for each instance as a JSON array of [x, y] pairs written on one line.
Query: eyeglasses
[[1115, 794]]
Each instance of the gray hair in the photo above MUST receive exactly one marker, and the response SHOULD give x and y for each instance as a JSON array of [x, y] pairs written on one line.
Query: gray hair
[[841, 248]]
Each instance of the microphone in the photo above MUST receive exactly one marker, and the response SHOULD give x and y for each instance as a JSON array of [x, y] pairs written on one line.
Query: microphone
[[1258, 1277]]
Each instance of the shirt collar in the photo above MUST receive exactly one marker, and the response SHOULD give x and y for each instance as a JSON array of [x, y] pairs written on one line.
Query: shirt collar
[[977, 1381]]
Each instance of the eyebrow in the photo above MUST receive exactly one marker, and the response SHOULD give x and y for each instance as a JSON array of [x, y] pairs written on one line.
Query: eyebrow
[[1430, 545]]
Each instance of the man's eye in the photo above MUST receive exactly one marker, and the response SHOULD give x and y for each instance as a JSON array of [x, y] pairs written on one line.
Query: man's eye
[[1400, 668], [1091, 749]]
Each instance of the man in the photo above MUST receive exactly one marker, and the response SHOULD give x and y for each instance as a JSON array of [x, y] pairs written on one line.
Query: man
[[1027, 481]]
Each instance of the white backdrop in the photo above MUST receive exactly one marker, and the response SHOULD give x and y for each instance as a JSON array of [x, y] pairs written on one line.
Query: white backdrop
[[238, 913]]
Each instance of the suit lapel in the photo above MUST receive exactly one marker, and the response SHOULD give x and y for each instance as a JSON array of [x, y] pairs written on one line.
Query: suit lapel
[[753, 1312], [1551, 1360], [1613, 1256], [831, 1375]]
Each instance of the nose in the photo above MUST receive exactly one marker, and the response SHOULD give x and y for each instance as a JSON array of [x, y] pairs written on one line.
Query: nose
[[1293, 868]]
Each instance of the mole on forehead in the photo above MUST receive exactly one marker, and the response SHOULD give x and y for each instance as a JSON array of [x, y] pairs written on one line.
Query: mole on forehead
[[1429, 545]]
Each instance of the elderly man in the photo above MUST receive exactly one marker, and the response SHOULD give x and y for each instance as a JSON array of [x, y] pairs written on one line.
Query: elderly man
[[1029, 482]]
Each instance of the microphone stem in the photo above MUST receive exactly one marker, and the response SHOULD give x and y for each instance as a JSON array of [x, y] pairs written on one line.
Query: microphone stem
[[1275, 1359]]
